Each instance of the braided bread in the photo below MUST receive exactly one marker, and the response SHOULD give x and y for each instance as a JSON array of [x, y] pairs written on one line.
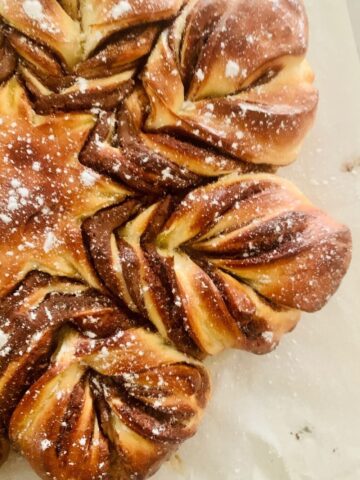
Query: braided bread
[[137, 145], [88, 394]]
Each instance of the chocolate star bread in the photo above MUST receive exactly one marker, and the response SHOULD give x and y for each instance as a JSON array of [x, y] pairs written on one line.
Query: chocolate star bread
[[142, 227]]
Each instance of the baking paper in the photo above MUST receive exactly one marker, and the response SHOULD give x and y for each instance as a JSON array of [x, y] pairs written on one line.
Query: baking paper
[[295, 414]]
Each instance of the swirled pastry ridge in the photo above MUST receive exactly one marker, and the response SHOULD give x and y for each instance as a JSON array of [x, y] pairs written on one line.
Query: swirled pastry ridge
[[84, 392], [229, 265], [141, 225]]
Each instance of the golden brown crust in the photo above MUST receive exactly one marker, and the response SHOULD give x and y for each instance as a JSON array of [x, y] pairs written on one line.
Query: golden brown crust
[[48, 23], [153, 163], [44, 191], [230, 265], [228, 74], [226, 88], [239, 80], [85, 392], [81, 55], [178, 93]]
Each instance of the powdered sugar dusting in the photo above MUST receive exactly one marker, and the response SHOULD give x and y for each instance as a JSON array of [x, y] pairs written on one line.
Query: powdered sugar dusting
[[268, 336], [120, 9], [88, 178], [50, 242], [232, 69], [200, 75], [3, 339], [33, 9], [5, 218], [83, 84], [45, 444]]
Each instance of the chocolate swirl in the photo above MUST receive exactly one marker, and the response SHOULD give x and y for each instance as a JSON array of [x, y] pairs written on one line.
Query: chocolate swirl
[[151, 193], [226, 84], [85, 392], [150, 162], [229, 265], [81, 55], [226, 88], [8, 59], [232, 74]]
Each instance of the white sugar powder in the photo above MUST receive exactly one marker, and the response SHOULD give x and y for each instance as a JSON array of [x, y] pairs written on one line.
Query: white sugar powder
[[50, 242], [88, 178], [121, 8], [83, 84], [45, 444], [3, 339], [200, 75], [82, 441], [232, 69], [33, 9], [166, 173], [15, 183], [12, 204], [268, 337], [239, 134], [5, 218], [23, 192], [36, 166]]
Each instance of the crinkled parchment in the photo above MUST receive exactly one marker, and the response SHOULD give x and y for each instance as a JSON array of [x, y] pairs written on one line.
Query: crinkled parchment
[[295, 414]]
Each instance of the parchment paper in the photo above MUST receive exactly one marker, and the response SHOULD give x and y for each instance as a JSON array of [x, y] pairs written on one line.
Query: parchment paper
[[295, 414]]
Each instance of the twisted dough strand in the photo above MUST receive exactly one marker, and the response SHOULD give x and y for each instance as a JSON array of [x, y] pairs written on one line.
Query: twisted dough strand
[[181, 93], [232, 74], [229, 265], [81, 55], [226, 88]]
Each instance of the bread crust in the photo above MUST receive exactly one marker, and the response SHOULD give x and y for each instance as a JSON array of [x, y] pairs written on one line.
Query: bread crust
[[141, 223]]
